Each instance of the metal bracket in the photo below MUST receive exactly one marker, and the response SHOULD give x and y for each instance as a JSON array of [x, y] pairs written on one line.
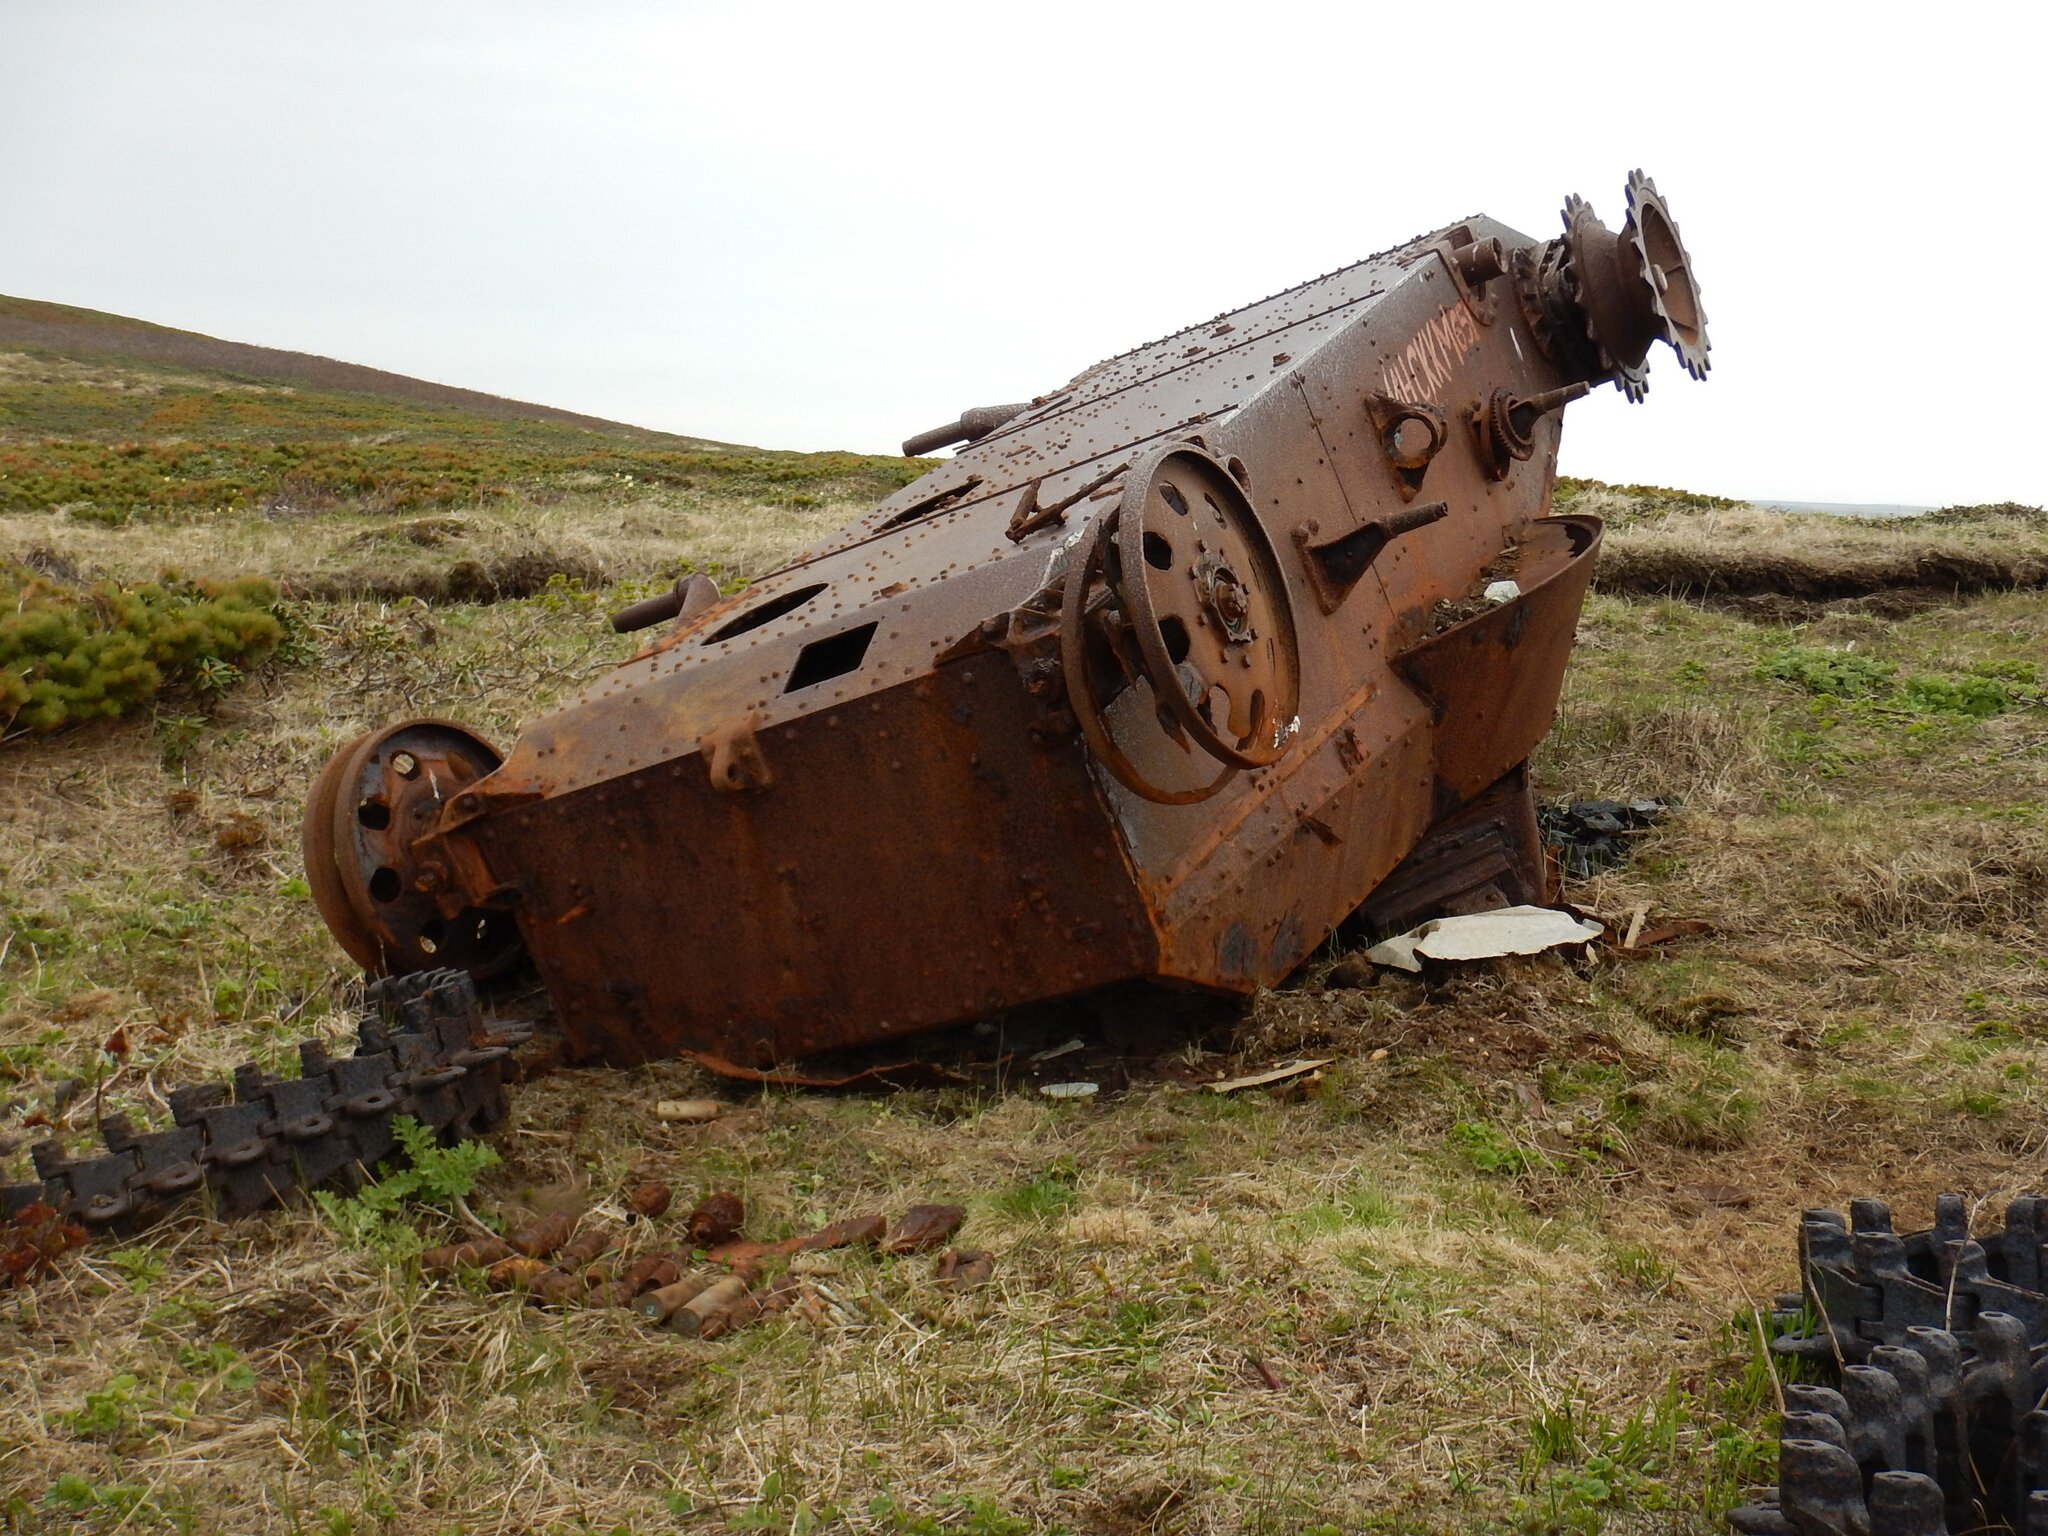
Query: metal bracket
[[734, 756], [1411, 433], [1473, 264], [1028, 516], [1335, 565]]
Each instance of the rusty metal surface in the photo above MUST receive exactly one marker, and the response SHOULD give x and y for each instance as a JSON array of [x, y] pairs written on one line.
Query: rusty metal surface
[[1029, 727]]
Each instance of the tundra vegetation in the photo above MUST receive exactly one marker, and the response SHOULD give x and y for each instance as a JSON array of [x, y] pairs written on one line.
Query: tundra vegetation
[[1499, 1269]]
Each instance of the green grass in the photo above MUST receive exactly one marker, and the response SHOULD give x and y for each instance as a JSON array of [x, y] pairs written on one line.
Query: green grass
[[1478, 1259]]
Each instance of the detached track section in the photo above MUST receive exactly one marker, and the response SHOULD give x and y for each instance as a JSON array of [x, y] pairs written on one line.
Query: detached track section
[[422, 1050], [1935, 1348]]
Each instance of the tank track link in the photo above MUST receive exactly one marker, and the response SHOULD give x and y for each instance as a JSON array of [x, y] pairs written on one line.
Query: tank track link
[[423, 1049], [1933, 1347]]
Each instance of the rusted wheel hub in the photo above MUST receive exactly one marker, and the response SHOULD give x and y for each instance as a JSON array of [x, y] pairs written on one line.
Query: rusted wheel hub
[[1208, 607], [386, 902]]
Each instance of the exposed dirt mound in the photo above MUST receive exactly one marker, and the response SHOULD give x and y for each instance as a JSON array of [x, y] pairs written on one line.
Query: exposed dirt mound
[[1789, 566], [491, 579], [1649, 569]]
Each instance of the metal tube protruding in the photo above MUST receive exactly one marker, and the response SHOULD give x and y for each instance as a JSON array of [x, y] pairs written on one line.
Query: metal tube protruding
[[972, 426], [690, 596], [1481, 261]]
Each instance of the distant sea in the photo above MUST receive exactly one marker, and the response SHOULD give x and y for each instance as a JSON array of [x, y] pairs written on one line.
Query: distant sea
[[1843, 508]]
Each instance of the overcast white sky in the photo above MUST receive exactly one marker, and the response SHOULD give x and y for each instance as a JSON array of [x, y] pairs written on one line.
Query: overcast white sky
[[816, 226]]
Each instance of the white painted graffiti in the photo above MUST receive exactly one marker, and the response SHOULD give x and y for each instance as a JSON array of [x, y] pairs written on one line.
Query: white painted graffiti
[[1422, 370]]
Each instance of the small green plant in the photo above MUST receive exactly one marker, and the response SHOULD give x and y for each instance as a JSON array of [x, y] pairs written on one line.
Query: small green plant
[[1051, 1194], [138, 1266], [1489, 1149], [1579, 1467], [1359, 1206], [778, 1509], [377, 1220], [1976, 698], [2026, 673], [1980, 1102], [1831, 674], [217, 1365], [1642, 1268], [112, 1412], [977, 1515], [80, 1495]]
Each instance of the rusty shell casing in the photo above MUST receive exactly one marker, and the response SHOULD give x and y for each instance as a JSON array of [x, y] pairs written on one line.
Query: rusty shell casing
[[690, 1317], [657, 1305]]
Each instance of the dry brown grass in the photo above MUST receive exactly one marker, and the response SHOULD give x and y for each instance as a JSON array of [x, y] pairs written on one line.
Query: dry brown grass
[[1735, 552], [1510, 1195], [592, 539]]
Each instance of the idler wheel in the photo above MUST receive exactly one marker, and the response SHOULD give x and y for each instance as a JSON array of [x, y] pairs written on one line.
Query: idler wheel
[[1208, 607], [1081, 692], [382, 901]]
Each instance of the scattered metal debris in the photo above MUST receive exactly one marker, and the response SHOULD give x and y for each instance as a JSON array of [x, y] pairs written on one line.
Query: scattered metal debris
[[695, 1293], [1929, 1423], [1352, 975], [1484, 936], [538, 1239], [476, 1253], [716, 1220], [1157, 646], [649, 1198], [962, 1269], [1590, 836], [1053, 1053], [923, 1227]]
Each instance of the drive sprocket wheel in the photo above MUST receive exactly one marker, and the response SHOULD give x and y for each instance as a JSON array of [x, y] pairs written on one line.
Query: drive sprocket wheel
[[384, 902], [1667, 268], [1596, 299], [1590, 245]]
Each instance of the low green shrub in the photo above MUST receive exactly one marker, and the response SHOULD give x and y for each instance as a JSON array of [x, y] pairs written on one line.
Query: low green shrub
[[73, 653]]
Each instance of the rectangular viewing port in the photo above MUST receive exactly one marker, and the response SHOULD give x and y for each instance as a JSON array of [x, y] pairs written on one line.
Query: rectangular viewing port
[[833, 656]]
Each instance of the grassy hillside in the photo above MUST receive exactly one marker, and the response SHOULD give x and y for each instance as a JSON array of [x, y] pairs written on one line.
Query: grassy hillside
[[320, 474], [1496, 1272], [59, 330]]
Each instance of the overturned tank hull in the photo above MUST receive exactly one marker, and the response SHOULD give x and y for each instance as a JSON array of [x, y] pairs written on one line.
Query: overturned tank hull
[[1162, 676]]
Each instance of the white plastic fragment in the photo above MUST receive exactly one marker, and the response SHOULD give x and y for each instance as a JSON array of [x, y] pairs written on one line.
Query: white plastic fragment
[[1069, 1090], [1503, 591], [1484, 936]]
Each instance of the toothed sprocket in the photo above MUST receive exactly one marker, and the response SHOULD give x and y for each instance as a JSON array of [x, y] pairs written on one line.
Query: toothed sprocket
[[1667, 269]]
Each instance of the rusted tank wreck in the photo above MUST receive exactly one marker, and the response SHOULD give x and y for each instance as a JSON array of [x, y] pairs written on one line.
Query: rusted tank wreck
[[1162, 676]]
